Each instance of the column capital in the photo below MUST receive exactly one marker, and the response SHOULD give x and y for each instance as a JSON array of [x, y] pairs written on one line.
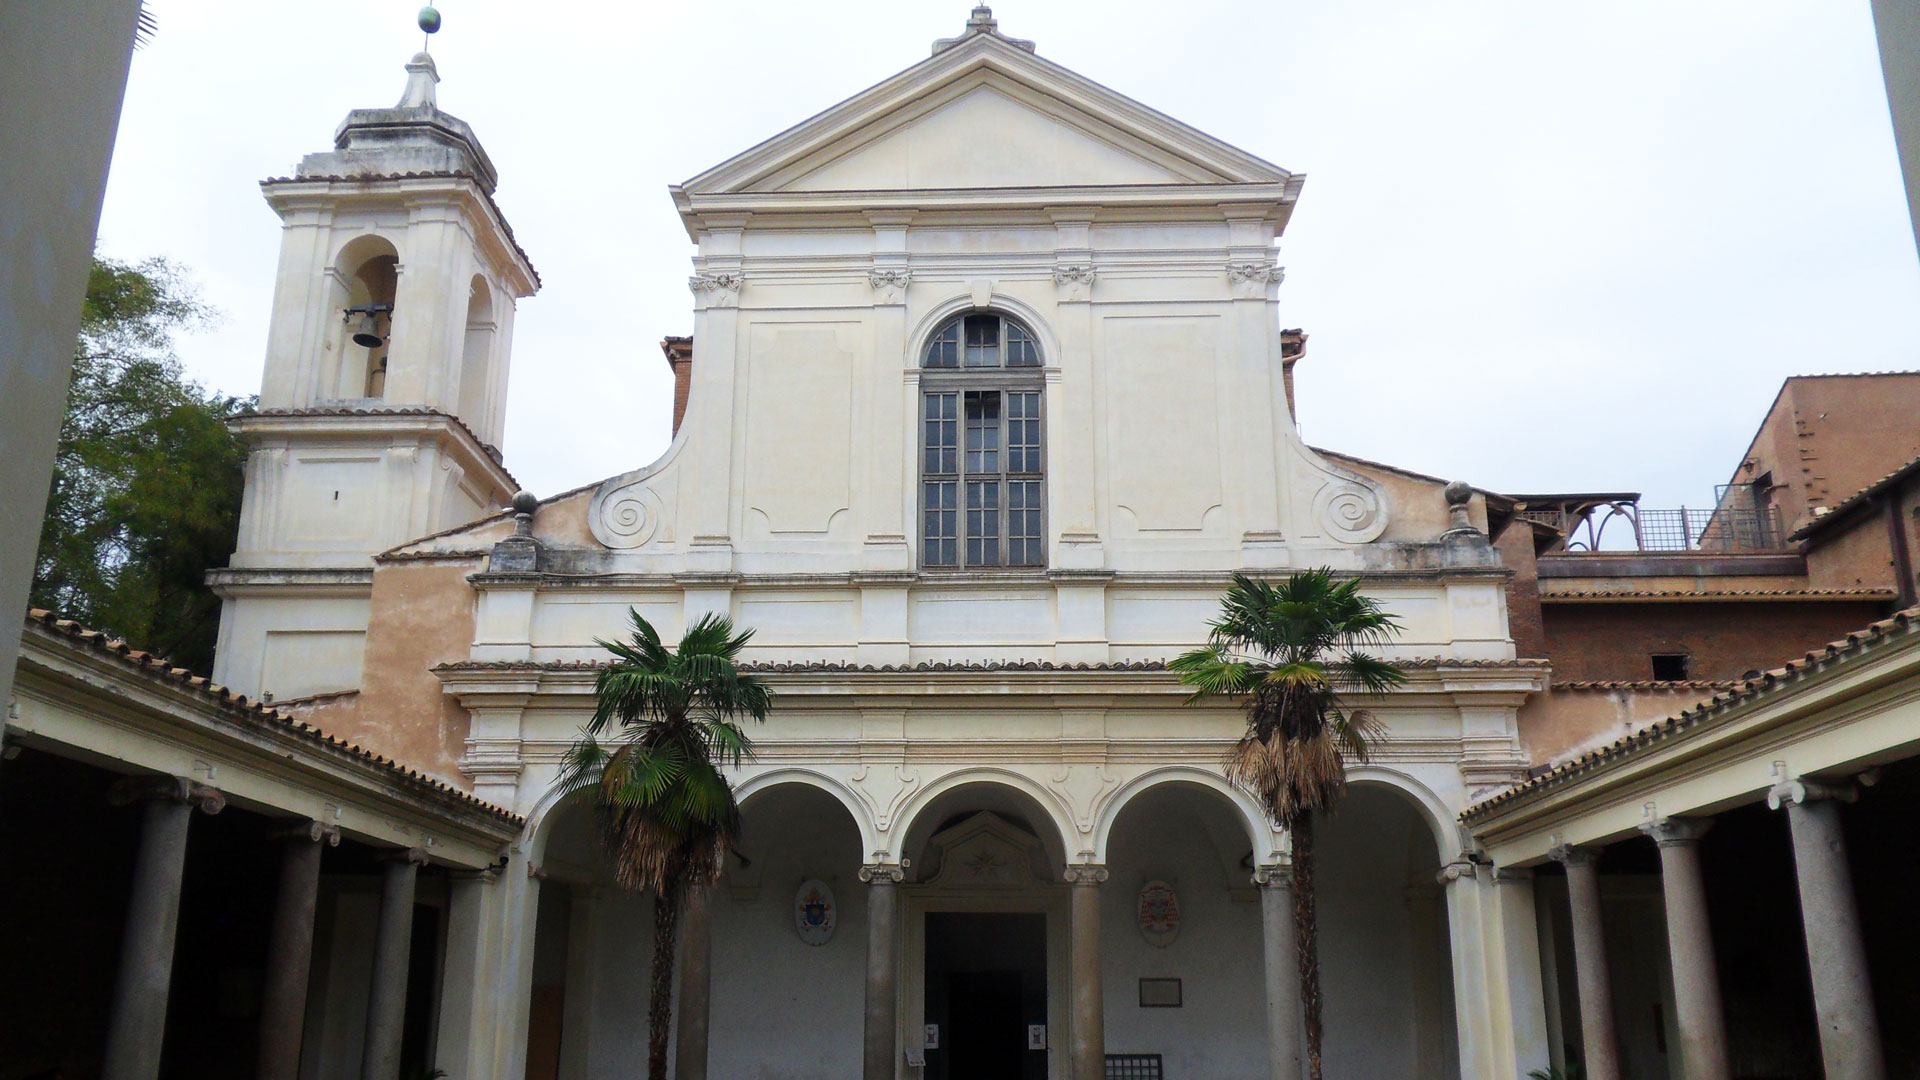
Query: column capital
[[1800, 791], [1573, 855], [1274, 875], [162, 788], [415, 855], [1677, 831], [1086, 874], [310, 830], [883, 873], [1460, 869]]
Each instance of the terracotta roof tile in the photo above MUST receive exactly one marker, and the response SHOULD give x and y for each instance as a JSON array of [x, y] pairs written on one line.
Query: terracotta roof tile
[[240, 707], [1647, 684], [1723, 594], [1743, 691]]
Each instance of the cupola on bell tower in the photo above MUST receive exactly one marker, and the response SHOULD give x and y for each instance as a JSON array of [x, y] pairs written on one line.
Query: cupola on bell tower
[[384, 398]]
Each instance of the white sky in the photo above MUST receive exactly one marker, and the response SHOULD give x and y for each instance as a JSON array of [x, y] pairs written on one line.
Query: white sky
[[1542, 245]]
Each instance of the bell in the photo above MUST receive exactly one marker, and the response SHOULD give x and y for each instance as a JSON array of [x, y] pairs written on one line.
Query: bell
[[368, 336]]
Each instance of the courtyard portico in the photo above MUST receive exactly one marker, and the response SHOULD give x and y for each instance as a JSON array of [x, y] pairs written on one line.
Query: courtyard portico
[[990, 898]]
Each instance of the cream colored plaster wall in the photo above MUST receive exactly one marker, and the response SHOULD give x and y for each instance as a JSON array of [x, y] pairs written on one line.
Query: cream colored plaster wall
[[1565, 723]]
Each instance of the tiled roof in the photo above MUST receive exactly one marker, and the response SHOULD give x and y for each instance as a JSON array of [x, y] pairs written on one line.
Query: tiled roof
[[1723, 594], [1746, 690], [254, 712], [505, 226], [1647, 684], [1840, 508], [937, 666]]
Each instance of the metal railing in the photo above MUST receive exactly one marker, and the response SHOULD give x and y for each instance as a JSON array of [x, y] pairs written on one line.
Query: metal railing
[[1738, 521]]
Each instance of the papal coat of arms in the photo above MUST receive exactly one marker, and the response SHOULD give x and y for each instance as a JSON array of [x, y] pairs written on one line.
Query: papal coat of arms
[[814, 915], [1159, 913]]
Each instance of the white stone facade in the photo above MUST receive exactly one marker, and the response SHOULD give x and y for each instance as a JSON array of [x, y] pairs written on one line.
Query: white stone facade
[[1141, 255]]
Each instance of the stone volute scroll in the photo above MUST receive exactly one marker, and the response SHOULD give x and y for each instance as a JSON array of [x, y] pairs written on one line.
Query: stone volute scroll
[[1332, 502], [625, 513], [1350, 511]]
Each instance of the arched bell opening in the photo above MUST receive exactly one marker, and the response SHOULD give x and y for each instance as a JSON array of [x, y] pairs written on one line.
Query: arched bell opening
[[476, 357], [368, 269]]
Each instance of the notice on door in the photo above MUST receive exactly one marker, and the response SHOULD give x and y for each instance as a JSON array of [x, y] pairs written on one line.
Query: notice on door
[[1036, 1036]]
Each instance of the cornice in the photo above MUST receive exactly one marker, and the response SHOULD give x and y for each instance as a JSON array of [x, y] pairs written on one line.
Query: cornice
[[344, 420], [982, 57], [1501, 681], [285, 192], [237, 580]]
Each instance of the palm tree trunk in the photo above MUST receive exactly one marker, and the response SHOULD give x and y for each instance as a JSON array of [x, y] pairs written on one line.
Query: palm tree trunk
[[666, 932], [1306, 930]]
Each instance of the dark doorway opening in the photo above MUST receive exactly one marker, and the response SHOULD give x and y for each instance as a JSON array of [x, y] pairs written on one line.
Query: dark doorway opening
[[986, 991]]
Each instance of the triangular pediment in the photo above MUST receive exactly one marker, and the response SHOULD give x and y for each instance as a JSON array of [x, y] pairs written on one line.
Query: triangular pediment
[[984, 114]]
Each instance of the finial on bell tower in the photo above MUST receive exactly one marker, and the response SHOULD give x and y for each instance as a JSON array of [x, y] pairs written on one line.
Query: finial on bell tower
[[422, 77]]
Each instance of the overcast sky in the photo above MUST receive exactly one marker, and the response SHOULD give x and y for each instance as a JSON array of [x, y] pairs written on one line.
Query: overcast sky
[[1542, 246]]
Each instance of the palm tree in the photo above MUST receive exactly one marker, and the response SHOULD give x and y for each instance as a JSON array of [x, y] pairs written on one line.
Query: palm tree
[[1289, 651], [666, 721]]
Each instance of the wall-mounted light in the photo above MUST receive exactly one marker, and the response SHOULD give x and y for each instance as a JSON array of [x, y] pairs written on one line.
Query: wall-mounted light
[[368, 336]]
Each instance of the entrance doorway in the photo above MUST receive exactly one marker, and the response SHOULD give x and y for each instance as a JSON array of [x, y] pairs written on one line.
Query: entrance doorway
[[986, 992]]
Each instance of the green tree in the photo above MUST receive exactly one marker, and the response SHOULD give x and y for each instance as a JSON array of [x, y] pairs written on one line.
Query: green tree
[[665, 722], [1289, 652], [147, 478]]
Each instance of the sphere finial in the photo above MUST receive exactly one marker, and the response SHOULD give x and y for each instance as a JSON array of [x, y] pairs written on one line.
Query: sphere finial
[[430, 19]]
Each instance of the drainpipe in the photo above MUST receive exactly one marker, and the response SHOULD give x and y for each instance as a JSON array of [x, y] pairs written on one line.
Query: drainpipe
[[1897, 541]]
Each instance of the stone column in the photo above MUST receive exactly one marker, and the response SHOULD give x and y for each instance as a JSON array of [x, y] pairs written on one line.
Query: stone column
[[283, 1000], [1599, 1046], [696, 982], [1836, 952], [1696, 978], [1282, 969], [1086, 997], [883, 969], [137, 1026], [392, 948]]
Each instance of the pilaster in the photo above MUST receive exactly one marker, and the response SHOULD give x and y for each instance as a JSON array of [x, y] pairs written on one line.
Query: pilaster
[[1072, 462]]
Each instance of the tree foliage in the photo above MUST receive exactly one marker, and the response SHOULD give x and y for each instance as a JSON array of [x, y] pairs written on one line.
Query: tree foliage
[[666, 722], [1289, 652], [147, 478]]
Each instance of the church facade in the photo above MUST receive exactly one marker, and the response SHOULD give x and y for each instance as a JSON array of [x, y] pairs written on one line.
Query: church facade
[[986, 406], [986, 400]]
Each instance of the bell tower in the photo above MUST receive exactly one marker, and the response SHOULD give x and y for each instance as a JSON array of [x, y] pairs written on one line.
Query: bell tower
[[384, 398]]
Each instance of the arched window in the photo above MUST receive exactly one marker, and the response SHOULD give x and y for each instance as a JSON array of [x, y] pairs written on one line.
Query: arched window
[[982, 483]]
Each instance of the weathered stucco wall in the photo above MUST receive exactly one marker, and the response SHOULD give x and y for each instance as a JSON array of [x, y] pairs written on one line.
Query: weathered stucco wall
[[422, 617], [1567, 721]]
